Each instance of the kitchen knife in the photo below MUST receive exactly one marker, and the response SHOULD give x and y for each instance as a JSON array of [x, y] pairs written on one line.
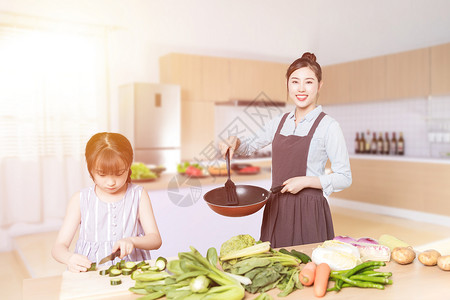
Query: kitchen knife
[[110, 257]]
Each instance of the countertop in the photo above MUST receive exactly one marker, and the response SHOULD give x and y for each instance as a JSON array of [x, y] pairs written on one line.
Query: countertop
[[413, 281], [162, 183]]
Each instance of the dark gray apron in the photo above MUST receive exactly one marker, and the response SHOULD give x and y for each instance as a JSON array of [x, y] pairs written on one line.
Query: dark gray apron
[[295, 219]]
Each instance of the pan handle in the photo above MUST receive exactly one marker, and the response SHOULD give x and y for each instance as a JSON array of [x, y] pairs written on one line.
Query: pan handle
[[276, 189]]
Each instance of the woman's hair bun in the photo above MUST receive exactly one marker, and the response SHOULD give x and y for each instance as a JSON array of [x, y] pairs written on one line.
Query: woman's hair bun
[[309, 56]]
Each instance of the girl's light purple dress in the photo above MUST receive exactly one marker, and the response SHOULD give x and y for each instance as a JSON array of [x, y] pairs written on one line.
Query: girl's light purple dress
[[103, 224]]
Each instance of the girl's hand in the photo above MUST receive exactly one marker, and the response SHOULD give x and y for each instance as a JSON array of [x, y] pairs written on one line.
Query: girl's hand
[[78, 263], [231, 143], [126, 246]]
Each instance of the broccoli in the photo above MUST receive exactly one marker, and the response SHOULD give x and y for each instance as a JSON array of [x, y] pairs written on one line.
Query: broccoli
[[237, 242]]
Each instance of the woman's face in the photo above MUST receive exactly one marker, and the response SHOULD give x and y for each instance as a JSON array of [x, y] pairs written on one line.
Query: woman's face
[[303, 88]]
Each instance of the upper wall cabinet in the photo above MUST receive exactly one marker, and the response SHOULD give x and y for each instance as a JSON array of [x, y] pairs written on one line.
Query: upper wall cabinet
[[440, 70], [184, 70], [336, 84], [215, 79], [367, 79], [408, 74], [250, 78]]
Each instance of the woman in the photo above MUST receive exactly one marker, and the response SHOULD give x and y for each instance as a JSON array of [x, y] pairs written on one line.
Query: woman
[[302, 142]]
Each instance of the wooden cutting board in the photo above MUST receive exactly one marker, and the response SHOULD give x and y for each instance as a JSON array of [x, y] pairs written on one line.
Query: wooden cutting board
[[92, 285]]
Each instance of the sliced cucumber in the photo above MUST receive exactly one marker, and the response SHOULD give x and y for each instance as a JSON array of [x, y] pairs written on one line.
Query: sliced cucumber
[[126, 271], [116, 281], [93, 267], [161, 263], [114, 272], [129, 265], [104, 272]]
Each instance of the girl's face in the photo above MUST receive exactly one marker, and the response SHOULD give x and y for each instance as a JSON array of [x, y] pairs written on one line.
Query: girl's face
[[303, 88], [111, 182]]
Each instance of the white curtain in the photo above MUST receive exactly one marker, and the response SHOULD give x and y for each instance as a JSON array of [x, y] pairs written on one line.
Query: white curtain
[[53, 97]]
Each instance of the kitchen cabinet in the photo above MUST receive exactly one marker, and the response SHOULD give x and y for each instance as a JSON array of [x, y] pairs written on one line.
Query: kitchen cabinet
[[250, 78], [400, 184], [215, 79], [367, 79], [440, 70], [408, 74], [336, 84], [183, 70]]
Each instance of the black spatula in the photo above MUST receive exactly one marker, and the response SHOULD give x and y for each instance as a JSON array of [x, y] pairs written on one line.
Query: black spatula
[[230, 187]]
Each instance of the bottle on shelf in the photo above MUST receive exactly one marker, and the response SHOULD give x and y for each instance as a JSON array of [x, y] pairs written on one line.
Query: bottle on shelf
[[373, 144], [362, 144], [393, 145], [357, 143], [386, 146], [367, 146], [380, 144], [401, 144]]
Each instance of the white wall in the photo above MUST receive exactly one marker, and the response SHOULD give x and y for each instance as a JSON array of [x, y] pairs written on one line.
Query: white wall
[[337, 31]]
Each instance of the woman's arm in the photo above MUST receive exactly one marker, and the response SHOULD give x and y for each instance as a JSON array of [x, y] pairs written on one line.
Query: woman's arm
[[152, 238], [60, 250], [336, 149]]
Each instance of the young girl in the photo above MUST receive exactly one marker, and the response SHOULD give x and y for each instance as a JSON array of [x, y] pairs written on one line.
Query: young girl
[[302, 142], [113, 214]]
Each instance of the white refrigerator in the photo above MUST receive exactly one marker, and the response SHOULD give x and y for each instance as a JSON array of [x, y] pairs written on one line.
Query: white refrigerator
[[150, 117]]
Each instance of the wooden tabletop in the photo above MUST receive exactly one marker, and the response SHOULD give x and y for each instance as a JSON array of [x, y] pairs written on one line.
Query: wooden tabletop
[[413, 281]]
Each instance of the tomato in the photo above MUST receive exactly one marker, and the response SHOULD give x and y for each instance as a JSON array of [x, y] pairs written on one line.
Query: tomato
[[252, 169], [193, 171]]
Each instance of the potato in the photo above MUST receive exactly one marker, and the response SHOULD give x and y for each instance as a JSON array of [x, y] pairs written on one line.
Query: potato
[[444, 262], [403, 255], [429, 257]]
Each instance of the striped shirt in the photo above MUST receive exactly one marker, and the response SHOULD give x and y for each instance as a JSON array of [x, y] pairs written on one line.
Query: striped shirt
[[103, 224]]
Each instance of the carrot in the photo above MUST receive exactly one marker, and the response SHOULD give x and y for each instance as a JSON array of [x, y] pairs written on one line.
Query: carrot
[[321, 280], [307, 274]]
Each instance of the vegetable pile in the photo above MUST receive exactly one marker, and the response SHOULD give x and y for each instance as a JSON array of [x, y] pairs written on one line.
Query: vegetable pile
[[362, 275], [265, 267], [192, 276], [141, 171]]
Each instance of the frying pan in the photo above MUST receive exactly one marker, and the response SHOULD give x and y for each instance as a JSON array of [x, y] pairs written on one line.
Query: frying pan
[[250, 198]]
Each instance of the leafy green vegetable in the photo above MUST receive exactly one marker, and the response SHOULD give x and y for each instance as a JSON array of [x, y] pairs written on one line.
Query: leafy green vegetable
[[235, 243], [140, 171]]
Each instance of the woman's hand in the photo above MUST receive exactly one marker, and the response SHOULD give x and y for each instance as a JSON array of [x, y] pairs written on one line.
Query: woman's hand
[[78, 263], [296, 184], [231, 143], [125, 245]]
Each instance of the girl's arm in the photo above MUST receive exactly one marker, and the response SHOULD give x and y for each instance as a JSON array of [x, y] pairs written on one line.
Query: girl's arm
[[151, 240], [60, 250]]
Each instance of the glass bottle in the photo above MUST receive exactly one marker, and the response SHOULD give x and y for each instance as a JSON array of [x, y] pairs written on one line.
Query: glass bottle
[[373, 144], [357, 143], [386, 146], [380, 144], [393, 144], [401, 144]]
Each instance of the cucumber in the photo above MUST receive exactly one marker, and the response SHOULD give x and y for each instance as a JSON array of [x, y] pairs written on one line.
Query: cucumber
[[104, 272], [93, 267], [302, 256], [116, 281], [114, 272], [161, 263], [126, 271]]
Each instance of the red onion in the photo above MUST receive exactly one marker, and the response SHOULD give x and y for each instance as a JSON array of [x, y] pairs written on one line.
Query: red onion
[[367, 240], [344, 238]]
